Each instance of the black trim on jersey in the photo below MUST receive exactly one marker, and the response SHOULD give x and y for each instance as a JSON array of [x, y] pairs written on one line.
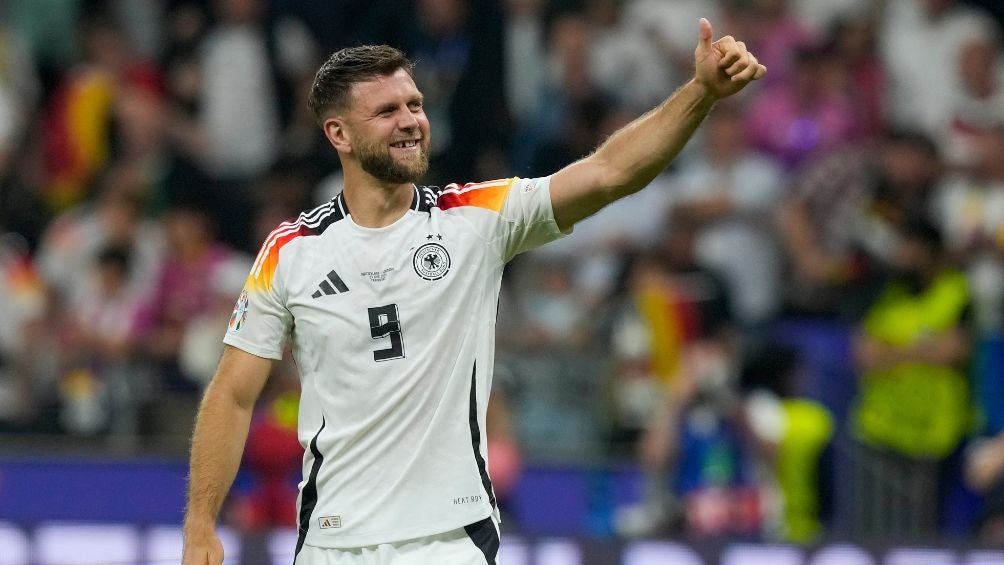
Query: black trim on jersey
[[423, 199], [429, 197], [486, 481], [486, 537], [340, 204], [332, 217], [308, 498], [416, 199], [315, 221]]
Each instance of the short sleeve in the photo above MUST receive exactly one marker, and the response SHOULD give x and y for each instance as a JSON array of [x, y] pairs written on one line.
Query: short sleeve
[[260, 322], [514, 215], [529, 217]]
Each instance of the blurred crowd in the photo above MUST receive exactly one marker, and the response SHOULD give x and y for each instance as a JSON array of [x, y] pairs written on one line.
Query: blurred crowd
[[797, 330]]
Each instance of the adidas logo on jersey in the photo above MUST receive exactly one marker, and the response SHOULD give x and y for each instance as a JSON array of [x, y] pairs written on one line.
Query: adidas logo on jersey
[[332, 285], [326, 522]]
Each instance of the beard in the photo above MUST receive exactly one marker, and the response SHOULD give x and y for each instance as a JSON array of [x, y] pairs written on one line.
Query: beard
[[376, 159]]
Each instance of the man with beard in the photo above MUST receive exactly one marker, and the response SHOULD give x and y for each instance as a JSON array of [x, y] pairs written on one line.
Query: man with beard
[[389, 294]]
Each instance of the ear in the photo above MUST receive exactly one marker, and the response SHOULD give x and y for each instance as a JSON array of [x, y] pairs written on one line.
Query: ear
[[338, 134]]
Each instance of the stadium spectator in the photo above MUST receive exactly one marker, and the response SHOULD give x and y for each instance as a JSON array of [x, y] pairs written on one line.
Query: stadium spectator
[[728, 193], [625, 61], [969, 209], [462, 43], [238, 83], [985, 474], [73, 240], [839, 223], [666, 25], [920, 44], [23, 301], [820, 16], [912, 409], [789, 434], [770, 26], [524, 50], [675, 355], [980, 105], [101, 314], [806, 116], [19, 91], [184, 289], [863, 76], [77, 126]]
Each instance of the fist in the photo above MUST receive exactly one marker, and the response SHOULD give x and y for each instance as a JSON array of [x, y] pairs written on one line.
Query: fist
[[724, 67]]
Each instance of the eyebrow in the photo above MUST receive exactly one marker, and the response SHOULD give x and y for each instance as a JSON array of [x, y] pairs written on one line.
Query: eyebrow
[[390, 106]]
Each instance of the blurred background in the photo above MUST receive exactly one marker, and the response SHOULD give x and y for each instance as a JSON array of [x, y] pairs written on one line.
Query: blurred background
[[789, 348]]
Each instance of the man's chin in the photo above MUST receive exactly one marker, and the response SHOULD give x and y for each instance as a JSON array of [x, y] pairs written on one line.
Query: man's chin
[[403, 175], [412, 170]]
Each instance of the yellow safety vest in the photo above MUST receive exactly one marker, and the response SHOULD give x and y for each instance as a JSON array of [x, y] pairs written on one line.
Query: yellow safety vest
[[916, 409]]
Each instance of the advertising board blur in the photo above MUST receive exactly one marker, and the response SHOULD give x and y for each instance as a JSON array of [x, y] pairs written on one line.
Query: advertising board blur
[[65, 543]]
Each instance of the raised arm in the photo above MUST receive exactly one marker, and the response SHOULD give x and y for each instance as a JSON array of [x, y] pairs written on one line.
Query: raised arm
[[221, 429], [639, 151]]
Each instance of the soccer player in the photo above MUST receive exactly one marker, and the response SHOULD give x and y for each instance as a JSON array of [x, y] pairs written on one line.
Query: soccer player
[[388, 293]]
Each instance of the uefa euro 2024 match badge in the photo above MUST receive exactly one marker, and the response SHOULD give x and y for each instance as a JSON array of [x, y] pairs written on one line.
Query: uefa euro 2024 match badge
[[240, 314]]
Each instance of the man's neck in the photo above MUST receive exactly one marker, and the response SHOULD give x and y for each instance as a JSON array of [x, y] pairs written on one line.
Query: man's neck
[[375, 205]]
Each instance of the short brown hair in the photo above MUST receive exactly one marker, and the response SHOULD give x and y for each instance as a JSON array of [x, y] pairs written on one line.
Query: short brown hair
[[348, 66]]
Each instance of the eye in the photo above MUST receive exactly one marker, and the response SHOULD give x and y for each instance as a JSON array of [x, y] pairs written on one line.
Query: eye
[[415, 105]]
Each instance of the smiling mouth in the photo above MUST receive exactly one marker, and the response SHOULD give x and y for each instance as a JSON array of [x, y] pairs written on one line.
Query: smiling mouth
[[405, 144]]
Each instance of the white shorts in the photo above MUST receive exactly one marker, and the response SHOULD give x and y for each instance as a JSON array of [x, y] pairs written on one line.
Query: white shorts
[[476, 544]]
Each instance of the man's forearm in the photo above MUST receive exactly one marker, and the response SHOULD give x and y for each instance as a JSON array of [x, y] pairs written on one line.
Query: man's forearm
[[637, 153], [221, 430], [631, 158]]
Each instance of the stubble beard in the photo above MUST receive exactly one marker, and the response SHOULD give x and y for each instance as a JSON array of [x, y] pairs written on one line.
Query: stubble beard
[[380, 164]]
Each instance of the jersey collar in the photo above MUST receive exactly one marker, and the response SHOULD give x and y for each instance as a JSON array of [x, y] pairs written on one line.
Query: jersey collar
[[417, 202]]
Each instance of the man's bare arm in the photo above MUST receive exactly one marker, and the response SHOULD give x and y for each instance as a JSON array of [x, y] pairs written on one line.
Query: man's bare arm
[[221, 430], [633, 156]]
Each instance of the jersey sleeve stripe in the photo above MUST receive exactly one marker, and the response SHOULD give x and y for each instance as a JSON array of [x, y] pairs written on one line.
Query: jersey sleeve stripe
[[488, 195], [265, 263], [264, 269]]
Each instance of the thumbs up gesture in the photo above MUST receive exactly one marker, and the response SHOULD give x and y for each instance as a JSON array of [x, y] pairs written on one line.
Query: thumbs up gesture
[[723, 67]]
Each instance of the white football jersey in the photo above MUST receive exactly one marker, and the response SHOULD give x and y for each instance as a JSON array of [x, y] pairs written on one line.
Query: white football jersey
[[393, 332]]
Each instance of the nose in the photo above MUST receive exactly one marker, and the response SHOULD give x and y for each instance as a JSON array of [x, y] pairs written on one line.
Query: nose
[[407, 119]]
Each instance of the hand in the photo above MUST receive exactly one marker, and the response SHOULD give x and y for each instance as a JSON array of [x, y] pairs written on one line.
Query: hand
[[724, 67], [202, 547]]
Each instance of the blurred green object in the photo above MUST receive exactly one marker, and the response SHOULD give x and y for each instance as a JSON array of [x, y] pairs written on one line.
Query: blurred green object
[[914, 408], [808, 430], [48, 28]]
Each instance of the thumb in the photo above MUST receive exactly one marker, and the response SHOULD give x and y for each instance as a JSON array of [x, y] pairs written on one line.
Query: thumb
[[704, 42]]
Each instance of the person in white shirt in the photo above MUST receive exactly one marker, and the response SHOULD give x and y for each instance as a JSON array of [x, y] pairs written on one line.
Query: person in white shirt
[[388, 294]]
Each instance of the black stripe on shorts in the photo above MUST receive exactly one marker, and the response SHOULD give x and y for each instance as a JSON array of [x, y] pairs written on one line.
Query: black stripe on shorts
[[486, 537]]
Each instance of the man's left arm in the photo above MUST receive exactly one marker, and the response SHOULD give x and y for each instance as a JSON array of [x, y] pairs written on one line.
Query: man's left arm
[[636, 153]]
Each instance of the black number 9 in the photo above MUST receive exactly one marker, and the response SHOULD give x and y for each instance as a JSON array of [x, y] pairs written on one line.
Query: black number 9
[[384, 322]]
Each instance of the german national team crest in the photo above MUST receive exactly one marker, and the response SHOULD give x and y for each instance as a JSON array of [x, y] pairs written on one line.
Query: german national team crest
[[240, 314], [431, 261]]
